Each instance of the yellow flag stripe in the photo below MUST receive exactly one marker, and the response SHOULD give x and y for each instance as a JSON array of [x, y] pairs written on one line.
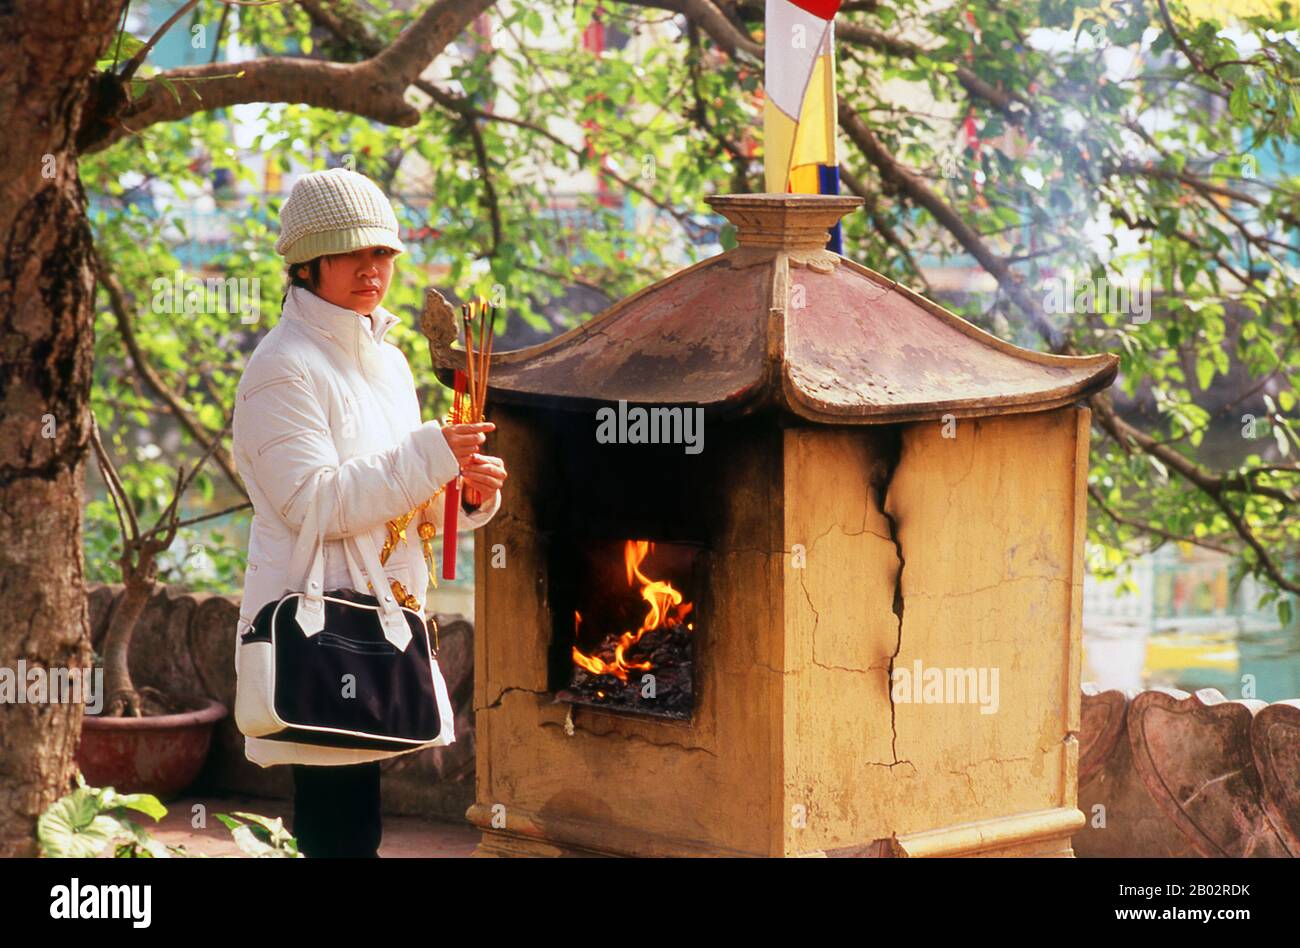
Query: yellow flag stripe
[[778, 147], [805, 179], [814, 142]]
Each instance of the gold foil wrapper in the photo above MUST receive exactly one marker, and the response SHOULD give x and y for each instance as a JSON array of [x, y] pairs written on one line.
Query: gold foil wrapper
[[397, 534]]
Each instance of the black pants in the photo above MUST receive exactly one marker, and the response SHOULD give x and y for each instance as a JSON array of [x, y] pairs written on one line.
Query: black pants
[[336, 810]]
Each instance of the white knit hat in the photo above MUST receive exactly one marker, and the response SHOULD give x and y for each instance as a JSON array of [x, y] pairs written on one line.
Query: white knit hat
[[335, 211]]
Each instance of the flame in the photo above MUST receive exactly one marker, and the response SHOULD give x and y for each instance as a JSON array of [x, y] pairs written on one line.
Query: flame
[[664, 602]]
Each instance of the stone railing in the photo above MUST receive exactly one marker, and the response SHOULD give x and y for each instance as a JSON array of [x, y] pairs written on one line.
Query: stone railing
[[1167, 773], [185, 642]]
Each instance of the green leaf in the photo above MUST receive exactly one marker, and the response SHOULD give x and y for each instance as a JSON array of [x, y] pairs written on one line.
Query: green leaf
[[269, 825], [1204, 372], [248, 843], [145, 803], [266, 837], [170, 87], [123, 47], [74, 827], [144, 845], [1239, 101]]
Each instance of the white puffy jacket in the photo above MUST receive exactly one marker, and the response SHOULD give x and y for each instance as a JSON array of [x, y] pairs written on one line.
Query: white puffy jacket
[[325, 404]]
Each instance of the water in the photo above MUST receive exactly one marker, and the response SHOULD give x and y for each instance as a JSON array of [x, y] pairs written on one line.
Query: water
[[1184, 628]]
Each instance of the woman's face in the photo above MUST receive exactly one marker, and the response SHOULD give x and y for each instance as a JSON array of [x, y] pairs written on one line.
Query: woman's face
[[356, 280]]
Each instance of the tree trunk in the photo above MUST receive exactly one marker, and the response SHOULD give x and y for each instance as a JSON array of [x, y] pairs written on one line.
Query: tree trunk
[[48, 50], [118, 686]]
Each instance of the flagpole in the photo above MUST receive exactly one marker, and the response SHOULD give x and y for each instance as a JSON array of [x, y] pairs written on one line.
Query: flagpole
[[830, 174]]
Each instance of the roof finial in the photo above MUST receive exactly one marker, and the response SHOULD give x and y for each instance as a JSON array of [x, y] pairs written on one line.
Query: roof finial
[[783, 221]]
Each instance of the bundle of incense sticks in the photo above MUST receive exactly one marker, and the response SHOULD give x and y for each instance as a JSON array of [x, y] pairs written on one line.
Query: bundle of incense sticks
[[467, 407]]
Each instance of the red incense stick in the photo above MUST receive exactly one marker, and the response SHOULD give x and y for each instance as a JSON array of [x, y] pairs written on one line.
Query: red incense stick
[[459, 411]]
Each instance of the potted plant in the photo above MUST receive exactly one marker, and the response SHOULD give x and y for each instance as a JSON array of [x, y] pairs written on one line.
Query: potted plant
[[143, 741]]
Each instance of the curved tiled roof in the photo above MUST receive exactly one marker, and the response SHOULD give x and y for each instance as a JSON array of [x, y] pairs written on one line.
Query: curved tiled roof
[[780, 320]]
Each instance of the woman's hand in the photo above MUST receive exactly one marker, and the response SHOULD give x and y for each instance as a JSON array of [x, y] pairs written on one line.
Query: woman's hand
[[465, 439], [484, 474]]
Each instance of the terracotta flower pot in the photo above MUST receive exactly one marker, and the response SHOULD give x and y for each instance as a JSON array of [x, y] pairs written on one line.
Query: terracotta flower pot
[[160, 755]]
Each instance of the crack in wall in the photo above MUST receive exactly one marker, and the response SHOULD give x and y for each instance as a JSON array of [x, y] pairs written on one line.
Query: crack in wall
[[816, 620], [816, 615], [891, 444], [632, 736], [610, 733], [970, 784], [506, 691], [891, 766]]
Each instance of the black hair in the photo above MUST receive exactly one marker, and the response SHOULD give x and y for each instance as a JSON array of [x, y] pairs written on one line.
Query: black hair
[[296, 279]]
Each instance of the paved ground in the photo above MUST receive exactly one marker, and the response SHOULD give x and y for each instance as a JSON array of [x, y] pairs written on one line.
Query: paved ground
[[404, 836]]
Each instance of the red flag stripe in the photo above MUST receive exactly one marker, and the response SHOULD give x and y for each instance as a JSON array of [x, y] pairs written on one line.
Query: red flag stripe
[[825, 9]]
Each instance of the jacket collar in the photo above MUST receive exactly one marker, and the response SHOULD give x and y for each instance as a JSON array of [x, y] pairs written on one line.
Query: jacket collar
[[350, 330]]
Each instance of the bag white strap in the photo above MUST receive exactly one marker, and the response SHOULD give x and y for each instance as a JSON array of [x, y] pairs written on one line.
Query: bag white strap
[[310, 614], [391, 616]]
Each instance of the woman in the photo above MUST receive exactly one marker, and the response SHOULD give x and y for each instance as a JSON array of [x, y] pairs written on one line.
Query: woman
[[326, 410]]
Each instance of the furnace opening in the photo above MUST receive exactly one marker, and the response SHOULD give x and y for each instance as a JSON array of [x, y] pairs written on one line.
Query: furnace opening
[[629, 529], [630, 640]]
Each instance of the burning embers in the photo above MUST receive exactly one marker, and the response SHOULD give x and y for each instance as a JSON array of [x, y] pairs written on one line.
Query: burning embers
[[646, 669]]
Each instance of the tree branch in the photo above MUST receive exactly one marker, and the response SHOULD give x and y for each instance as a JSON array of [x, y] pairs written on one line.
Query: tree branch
[[1186, 50], [894, 175], [138, 59], [709, 18], [348, 31], [373, 88], [489, 189], [1213, 484], [122, 314], [700, 113], [1148, 528], [871, 197]]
